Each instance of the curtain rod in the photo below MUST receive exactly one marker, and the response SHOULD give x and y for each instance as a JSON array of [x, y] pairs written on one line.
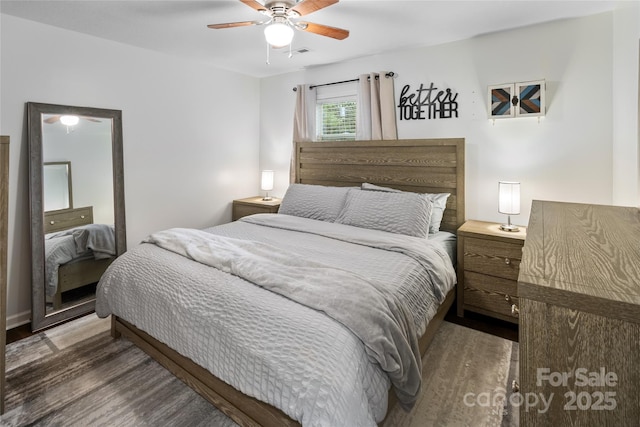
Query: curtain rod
[[389, 74]]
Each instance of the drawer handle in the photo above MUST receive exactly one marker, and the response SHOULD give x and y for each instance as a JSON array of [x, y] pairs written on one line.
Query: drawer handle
[[52, 222], [515, 310], [82, 216], [507, 261], [515, 387]]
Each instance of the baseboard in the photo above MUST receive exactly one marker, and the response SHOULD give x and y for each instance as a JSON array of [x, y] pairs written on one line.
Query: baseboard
[[18, 319]]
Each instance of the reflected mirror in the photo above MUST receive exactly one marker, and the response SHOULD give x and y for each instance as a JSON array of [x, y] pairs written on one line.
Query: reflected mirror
[[78, 223], [56, 181]]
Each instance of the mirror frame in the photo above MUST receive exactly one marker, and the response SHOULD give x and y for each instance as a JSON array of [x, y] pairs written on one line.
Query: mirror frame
[[39, 318]]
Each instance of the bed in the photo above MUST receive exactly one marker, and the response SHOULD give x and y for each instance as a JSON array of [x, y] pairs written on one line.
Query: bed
[[315, 368], [77, 251]]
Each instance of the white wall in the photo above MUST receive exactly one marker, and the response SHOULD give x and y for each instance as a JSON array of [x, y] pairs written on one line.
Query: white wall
[[567, 155], [190, 131], [626, 35]]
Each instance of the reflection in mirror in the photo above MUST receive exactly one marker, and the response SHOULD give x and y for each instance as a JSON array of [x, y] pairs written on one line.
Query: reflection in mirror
[[78, 224], [79, 243], [56, 182]]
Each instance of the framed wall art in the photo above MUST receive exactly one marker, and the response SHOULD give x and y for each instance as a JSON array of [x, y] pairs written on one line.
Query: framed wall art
[[500, 104], [531, 102], [524, 99]]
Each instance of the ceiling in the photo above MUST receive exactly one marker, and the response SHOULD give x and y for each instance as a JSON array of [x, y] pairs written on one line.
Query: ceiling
[[179, 27]]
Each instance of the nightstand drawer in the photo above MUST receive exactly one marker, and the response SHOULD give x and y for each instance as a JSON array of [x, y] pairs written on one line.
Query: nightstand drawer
[[253, 205], [245, 210], [491, 257], [488, 294]]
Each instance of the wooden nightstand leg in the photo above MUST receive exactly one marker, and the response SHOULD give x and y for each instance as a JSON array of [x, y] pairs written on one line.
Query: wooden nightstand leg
[[460, 270]]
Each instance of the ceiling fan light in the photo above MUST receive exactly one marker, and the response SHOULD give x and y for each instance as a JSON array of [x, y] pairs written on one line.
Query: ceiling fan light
[[278, 34], [69, 120]]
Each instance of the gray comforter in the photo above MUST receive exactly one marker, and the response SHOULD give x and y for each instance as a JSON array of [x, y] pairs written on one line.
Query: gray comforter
[[91, 241], [321, 370]]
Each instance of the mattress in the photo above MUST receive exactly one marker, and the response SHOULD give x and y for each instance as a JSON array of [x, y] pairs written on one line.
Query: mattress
[[264, 344]]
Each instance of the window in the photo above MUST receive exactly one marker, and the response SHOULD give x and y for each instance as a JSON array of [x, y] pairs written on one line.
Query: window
[[336, 113], [336, 120]]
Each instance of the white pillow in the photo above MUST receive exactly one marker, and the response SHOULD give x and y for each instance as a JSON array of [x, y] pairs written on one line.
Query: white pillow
[[438, 200], [400, 213], [314, 201]]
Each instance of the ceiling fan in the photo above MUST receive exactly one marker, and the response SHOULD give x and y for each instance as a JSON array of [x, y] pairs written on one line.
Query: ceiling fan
[[281, 22]]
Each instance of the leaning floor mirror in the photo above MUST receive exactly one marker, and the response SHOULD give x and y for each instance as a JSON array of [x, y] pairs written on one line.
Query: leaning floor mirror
[[77, 206]]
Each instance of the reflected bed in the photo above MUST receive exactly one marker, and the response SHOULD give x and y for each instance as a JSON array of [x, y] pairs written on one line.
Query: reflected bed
[[77, 251]]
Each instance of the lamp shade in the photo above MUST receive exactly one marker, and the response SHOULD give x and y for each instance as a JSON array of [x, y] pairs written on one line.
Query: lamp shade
[[266, 183], [278, 34], [509, 197]]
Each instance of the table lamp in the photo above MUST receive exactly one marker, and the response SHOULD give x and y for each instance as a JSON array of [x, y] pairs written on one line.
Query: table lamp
[[266, 184], [509, 202]]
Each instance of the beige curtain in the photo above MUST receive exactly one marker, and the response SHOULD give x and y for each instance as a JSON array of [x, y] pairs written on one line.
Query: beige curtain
[[376, 107], [304, 123]]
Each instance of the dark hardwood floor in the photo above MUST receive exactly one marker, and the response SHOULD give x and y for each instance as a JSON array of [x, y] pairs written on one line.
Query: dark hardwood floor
[[18, 333]]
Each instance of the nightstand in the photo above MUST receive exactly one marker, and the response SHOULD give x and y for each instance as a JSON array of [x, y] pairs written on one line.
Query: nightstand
[[254, 205], [488, 267]]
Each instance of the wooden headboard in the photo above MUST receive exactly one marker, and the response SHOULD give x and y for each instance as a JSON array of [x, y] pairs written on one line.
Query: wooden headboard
[[64, 219], [417, 165]]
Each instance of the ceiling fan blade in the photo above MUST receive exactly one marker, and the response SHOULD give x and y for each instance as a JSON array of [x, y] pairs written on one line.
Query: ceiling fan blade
[[323, 30], [306, 7], [255, 5], [233, 24], [51, 119]]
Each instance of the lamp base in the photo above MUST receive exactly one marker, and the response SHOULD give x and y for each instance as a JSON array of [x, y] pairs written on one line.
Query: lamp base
[[267, 198], [509, 227]]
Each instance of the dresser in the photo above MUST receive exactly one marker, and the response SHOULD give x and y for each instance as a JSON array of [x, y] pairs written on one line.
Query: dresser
[[4, 228], [488, 266], [254, 205], [579, 289]]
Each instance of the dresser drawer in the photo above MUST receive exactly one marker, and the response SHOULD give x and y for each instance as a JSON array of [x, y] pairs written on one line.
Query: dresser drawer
[[491, 257], [489, 294]]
